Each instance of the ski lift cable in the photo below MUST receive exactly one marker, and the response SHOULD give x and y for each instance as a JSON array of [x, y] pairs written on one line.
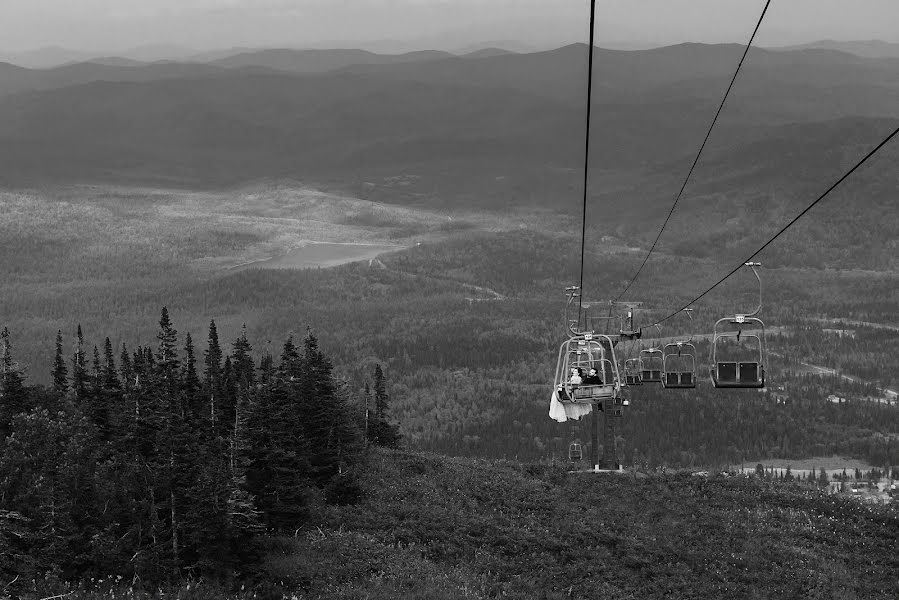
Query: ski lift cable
[[587, 153], [698, 154], [785, 227]]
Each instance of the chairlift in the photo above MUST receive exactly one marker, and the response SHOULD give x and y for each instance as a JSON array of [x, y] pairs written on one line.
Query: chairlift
[[577, 356], [679, 362], [633, 371], [575, 452], [726, 370], [679, 365], [653, 361]]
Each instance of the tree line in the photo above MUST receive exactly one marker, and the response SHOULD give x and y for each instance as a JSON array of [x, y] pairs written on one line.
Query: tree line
[[161, 462]]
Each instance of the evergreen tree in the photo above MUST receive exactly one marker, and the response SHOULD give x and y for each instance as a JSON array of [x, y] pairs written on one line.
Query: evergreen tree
[[213, 359], [329, 425], [94, 403], [213, 377], [191, 384], [79, 369], [126, 369], [60, 372], [110, 378], [242, 361], [13, 396], [291, 366], [167, 354], [381, 431], [266, 368]]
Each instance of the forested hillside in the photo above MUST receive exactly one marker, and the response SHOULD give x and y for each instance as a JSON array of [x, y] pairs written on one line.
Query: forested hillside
[[167, 461]]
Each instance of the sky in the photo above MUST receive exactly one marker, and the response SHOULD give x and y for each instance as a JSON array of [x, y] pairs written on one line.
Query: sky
[[110, 25]]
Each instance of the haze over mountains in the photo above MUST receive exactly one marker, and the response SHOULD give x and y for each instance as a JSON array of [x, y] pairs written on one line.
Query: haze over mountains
[[491, 128]]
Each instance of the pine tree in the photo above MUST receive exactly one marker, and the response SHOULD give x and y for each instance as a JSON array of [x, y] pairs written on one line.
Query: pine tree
[[79, 369], [13, 396], [94, 403], [381, 431], [110, 378], [266, 368], [60, 372], [126, 369], [167, 362], [190, 382], [213, 378], [213, 359], [242, 362], [329, 425], [291, 366]]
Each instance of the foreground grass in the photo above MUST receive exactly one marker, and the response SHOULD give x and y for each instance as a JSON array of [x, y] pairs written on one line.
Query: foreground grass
[[433, 527]]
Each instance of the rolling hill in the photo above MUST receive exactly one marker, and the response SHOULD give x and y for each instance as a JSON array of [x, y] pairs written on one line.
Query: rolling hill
[[494, 130], [320, 61]]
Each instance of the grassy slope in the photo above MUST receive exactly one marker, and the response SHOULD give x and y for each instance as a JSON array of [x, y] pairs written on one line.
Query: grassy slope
[[434, 527]]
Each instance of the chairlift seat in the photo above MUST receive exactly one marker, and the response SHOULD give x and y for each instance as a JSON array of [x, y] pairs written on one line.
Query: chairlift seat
[[652, 375], [726, 372], [679, 380], [749, 371], [739, 375], [594, 392]]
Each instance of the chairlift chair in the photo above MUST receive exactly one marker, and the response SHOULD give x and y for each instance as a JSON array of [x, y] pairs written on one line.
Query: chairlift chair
[[725, 370], [652, 365], [587, 352], [679, 365], [633, 371], [679, 362], [575, 452], [736, 373]]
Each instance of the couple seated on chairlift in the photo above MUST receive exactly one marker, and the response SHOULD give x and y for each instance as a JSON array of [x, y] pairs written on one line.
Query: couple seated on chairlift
[[577, 377]]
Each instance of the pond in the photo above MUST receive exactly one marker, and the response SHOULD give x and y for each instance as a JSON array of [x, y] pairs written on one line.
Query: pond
[[322, 255]]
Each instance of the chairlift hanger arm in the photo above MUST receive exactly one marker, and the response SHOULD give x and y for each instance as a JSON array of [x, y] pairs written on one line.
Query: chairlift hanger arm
[[753, 265]]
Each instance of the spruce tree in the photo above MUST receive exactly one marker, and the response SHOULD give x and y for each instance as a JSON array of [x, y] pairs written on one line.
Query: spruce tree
[[242, 361], [94, 403], [79, 368], [291, 366], [60, 372], [190, 382], [167, 362], [382, 432], [110, 378], [213, 376], [13, 395], [126, 368], [328, 424]]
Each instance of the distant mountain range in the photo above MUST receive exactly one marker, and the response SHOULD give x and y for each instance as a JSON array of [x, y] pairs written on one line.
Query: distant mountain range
[[865, 48], [55, 56], [491, 128]]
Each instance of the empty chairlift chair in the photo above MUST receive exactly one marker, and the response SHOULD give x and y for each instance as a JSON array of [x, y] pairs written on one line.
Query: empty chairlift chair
[[633, 371], [738, 349], [575, 452], [730, 372], [679, 365], [679, 361], [652, 364]]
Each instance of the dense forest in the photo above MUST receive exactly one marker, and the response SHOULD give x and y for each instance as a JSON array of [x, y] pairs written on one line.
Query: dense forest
[[470, 368], [160, 463]]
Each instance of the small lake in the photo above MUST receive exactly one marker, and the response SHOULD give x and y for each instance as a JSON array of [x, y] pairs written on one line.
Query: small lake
[[322, 255]]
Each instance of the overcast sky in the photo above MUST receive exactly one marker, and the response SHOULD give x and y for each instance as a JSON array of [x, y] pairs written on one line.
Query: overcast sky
[[108, 25]]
